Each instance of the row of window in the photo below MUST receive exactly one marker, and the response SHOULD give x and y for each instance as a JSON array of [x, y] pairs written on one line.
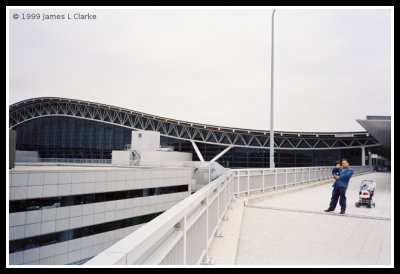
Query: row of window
[[54, 202], [71, 234], [67, 137]]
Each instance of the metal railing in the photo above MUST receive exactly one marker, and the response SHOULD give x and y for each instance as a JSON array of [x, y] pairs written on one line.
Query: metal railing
[[255, 180], [182, 234], [218, 170], [74, 160]]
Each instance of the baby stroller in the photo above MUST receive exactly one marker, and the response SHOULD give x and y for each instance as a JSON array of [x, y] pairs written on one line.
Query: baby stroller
[[367, 190]]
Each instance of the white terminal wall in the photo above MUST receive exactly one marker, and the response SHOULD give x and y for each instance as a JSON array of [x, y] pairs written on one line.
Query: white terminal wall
[[144, 140], [121, 157], [163, 158], [53, 181]]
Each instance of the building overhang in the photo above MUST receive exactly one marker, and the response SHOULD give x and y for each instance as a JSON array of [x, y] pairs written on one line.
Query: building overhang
[[380, 128]]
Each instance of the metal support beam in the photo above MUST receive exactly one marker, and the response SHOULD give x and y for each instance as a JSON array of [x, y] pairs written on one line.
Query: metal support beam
[[221, 153], [197, 151]]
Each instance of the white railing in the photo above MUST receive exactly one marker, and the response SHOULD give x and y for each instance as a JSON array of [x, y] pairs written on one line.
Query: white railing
[[182, 234], [255, 180], [75, 160]]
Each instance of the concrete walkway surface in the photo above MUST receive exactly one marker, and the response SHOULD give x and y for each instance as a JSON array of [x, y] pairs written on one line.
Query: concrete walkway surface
[[293, 229]]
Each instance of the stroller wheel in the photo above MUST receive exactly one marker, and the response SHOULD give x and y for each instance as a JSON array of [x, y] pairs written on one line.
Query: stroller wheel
[[357, 204]]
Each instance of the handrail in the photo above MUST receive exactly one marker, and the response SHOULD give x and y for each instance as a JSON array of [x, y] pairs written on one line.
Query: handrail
[[182, 234], [74, 160], [258, 179]]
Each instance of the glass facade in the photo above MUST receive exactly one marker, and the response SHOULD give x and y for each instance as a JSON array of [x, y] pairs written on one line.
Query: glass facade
[[240, 157], [67, 137]]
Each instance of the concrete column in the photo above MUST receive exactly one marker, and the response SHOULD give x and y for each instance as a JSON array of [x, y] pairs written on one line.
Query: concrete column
[[363, 156], [369, 158]]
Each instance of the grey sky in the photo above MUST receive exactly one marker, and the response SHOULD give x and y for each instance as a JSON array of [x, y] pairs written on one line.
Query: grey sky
[[332, 66]]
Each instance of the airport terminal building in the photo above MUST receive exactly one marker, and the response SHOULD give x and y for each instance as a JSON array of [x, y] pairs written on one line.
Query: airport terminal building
[[89, 174], [75, 129]]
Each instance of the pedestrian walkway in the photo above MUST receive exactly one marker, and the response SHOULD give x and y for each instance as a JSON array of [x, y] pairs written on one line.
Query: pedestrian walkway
[[293, 229]]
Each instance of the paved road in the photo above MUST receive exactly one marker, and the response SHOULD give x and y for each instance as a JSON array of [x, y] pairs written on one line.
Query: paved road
[[292, 229]]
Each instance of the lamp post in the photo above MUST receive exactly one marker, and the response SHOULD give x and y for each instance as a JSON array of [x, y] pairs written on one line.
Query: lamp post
[[271, 136]]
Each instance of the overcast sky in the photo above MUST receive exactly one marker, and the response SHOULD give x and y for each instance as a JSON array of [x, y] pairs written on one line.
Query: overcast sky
[[212, 66]]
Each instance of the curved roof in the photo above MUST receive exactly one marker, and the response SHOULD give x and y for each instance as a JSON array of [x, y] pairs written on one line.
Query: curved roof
[[34, 108]]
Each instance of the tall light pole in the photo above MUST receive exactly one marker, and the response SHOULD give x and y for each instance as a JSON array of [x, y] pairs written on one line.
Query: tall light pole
[[271, 135]]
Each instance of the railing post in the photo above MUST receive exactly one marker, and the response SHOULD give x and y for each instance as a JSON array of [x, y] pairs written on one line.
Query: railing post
[[286, 172], [217, 231], [320, 173], [263, 179], [295, 171], [209, 172], [309, 174], [231, 187], [248, 182], [238, 184], [276, 178], [184, 240], [226, 190], [206, 256]]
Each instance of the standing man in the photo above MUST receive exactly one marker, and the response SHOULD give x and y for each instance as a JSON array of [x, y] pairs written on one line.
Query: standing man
[[340, 187]]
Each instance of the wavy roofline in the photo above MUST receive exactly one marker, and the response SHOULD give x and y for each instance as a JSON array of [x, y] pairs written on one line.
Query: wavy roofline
[[15, 106]]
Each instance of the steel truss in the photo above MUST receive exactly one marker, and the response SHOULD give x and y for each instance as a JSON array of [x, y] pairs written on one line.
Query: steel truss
[[27, 110]]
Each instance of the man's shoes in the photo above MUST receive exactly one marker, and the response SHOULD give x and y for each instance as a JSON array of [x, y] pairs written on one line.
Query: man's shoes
[[342, 212], [328, 210]]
